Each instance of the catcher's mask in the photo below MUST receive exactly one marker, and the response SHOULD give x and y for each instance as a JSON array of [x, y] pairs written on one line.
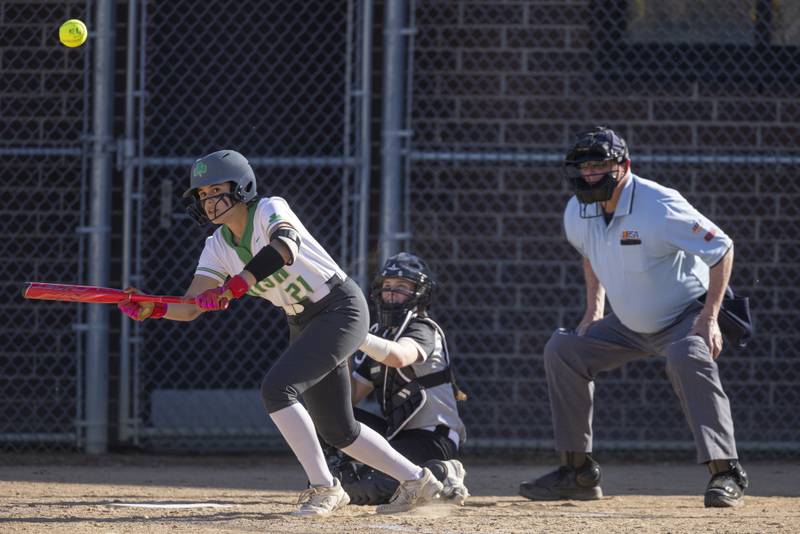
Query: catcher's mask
[[410, 267], [217, 168], [599, 146]]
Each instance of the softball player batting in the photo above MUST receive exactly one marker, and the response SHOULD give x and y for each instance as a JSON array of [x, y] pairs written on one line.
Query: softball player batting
[[262, 249], [665, 270]]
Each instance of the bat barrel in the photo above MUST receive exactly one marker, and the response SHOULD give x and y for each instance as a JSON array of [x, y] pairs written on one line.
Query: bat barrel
[[92, 294]]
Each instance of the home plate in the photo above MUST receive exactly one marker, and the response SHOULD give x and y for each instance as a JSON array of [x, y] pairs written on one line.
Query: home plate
[[172, 505]]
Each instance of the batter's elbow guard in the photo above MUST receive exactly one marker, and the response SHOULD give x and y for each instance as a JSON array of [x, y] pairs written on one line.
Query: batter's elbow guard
[[290, 239]]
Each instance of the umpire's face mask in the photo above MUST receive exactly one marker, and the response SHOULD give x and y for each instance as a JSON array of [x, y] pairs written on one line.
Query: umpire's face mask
[[593, 181]]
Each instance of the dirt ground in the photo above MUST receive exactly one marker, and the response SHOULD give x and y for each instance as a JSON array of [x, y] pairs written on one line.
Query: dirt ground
[[122, 494]]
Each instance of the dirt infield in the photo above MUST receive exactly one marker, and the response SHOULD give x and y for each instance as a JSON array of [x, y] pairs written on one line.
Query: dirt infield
[[119, 494]]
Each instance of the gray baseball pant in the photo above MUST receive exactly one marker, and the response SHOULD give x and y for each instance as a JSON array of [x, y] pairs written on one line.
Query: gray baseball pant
[[314, 365], [572, 362]]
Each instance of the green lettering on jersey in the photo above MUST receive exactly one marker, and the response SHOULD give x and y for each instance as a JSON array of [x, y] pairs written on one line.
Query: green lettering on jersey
[[267, 283], [305, 284], [275, 279], [299, 289], [280, 275], [294, 290]]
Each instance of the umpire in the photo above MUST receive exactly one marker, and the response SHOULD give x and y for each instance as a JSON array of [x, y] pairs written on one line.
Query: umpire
[[664, 268]]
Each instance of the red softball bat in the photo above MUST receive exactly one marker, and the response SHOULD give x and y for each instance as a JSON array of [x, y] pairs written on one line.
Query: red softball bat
[[97, 295]]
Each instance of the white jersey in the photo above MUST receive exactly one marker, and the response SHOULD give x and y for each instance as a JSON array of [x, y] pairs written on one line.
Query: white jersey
[[304, 279]]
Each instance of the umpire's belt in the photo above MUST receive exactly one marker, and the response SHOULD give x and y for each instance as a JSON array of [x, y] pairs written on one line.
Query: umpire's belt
[[305, 304]]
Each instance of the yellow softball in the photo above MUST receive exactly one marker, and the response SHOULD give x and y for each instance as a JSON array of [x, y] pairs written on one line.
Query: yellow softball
[[72, 33]]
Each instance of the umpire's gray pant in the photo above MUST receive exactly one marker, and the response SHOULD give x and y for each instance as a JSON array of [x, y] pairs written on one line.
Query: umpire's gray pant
[[572, 362]]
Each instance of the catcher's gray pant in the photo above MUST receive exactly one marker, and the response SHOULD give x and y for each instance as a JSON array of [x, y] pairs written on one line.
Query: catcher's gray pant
[[315, 364], [572, 362]]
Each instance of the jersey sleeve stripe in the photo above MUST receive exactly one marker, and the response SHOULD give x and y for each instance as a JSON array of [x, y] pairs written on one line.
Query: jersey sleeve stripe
[[221, 277]]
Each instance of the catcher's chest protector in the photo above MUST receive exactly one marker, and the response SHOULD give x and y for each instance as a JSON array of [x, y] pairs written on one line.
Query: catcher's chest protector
[[400, 392]]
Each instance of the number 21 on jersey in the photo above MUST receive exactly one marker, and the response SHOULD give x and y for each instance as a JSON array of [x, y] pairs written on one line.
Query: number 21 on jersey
[[298, 288]]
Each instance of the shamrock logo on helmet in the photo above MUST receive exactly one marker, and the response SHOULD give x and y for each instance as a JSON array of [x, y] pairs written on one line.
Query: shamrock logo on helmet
[[200, 169]]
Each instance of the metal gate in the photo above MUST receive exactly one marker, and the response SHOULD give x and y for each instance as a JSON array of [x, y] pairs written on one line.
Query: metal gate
[[284, 83]]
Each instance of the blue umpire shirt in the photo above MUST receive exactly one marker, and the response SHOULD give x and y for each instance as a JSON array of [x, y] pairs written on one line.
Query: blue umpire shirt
[[653, 258]]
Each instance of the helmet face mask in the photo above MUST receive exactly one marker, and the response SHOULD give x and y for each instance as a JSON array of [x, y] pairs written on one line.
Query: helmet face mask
[[397, 288], [196, 207], [216, 168], [408, 267], [596, 148]]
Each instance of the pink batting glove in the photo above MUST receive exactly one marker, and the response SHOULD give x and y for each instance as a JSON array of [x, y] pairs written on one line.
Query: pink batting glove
[[219, 297], [139, 311], [131, 309], [212, 299]]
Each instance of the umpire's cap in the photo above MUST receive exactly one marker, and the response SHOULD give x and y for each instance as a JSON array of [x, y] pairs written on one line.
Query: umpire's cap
[[224, 166], [599, 144]]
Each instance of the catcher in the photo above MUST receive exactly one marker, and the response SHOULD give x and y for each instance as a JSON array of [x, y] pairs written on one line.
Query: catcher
[[406, 363]]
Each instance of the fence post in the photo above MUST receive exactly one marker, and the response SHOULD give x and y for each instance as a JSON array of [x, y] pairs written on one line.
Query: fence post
[[394, 84], [99, 231], [129, 151], [364, 147]]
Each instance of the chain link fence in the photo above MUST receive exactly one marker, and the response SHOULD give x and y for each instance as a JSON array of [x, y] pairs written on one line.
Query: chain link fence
[[705, 94], [281, 83], [43, 153]]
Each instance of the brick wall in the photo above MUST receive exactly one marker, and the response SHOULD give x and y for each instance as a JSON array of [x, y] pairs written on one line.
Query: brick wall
[[522, 77]]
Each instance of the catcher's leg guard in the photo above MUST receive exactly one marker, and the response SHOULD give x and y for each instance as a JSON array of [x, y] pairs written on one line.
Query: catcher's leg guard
[[369, 487]]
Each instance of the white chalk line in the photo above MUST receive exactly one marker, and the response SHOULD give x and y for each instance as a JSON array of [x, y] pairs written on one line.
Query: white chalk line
[[172, 505]]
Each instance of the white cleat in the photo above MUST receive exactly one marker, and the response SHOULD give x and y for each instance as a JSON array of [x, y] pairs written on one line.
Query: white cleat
[[413, 493], [454, 489], [321, 500]]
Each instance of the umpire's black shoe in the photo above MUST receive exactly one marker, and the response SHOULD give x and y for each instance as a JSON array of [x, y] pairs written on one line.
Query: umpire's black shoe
[[726, 488], [566, 482]]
